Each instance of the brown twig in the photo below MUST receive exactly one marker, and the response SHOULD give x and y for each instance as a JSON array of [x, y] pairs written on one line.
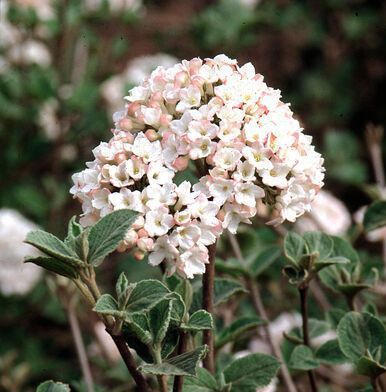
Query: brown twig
[[182, 346], [258, 305], [207, 304], [80, 347], [303, 291], [129, 361]]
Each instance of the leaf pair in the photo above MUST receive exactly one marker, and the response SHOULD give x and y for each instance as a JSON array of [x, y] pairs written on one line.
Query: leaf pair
[[81, 247], [308, 254]]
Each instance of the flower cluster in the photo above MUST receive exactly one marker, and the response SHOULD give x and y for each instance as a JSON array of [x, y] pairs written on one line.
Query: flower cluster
[[220, 119]]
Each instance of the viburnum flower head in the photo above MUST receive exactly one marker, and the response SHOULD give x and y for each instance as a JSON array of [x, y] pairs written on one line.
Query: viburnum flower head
[[222, 121]]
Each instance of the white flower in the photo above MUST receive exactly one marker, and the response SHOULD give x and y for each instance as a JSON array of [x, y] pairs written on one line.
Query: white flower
[[189, 97], [101, 202], [16, 277], [127, 199], [158, 174], [194, 260], [205, 210], [221, 190], [163, 250], [185, 236], [158, 222], [148, 151], [276, 176], [247, 193], [201, 148], [227, 158], [30, 52]]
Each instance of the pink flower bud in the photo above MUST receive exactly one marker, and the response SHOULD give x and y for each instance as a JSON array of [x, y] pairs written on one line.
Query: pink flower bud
[[138, 223], [181, 163], [142, 233], [145, 244], [139, 255], [152, 135], [120, 157], [125, 124]]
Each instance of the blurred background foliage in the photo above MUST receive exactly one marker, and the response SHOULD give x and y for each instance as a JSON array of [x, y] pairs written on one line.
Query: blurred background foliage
[[64, 66]]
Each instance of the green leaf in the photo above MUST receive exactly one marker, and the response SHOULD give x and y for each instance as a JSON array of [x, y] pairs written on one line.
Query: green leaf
[[106, 304], [159, 319], [293, 247], [359, 333], [251, 372], [53, 246], [320, 264], [199, 321], [223, 290], [185, 290], [375, 216], [334, 315], [51, 386], [302, 358], [342, 248], [121, 285], [319, 243], [54, 265], [330, 353], [231, 267], [238, 329], [180, 365], [264, 260], [294, 275], [74, 228], [203, 382], [138, 324], [368, 367], [145, 295], [107, 233], [178, 308]]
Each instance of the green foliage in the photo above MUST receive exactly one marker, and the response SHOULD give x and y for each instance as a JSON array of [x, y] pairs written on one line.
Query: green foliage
[[362, 339], [107, 233], [203, 382], [238, 329], [180, 365], [251, 372], [302, 358], [51, 386], [54, 265], [330, 353], [375, 216], [199, 321]]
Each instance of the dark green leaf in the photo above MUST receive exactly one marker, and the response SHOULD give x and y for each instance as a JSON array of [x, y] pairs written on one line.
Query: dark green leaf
[[264, 260], [251, 372], [107, 233], [330, 353], [238, 329], [318, 243], [199, 321], [302, 358], [53, 246], [375, 216], [359, 332], [180, 365], [106, 304], [368, 367], [54, 265], [293, 247], [159, 319], [203, 382]]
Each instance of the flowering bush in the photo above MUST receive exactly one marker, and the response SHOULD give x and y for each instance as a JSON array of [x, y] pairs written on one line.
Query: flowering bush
[[244, 142]]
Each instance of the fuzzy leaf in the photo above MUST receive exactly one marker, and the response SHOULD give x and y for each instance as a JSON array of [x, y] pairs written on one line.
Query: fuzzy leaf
[[74, 228], [107, 233], [375, 216], [180, 365], [138, 324], [106, 304], [54, 265], [293, 247], [199, 321], [342, 248], [237, 329], [53, 246], [368, 367], [264, 260], [145, 295], [203, 382], [319, 243], [51, 386], [121, 285], [359, 333], [302, 358], [330, 353], [251, 372], [159, 319], [320, 264]]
